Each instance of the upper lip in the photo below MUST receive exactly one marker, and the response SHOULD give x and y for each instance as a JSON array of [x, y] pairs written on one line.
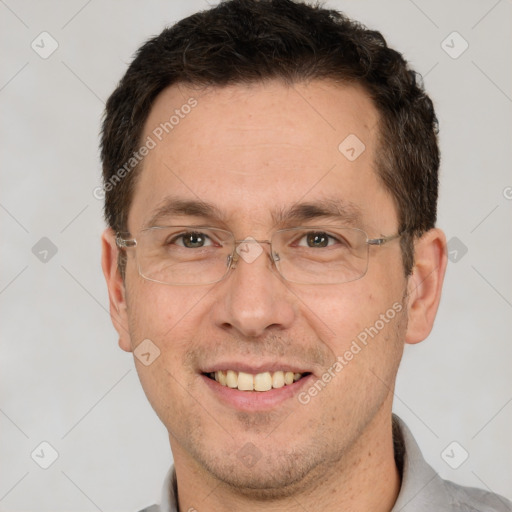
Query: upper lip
[[239, 366]]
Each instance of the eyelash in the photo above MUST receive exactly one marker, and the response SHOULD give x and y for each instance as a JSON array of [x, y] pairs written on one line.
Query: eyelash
[[325, 233], [181, 236]]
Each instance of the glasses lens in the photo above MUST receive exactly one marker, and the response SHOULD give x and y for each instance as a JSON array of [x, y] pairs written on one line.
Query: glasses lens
[[321, 255], [183, 254]]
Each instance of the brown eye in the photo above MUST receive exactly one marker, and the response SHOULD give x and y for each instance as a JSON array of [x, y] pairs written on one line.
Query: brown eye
[[317, 239], [193, 240]]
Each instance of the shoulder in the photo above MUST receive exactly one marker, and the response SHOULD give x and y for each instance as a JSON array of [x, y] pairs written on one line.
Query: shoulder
[[423, 489], [471, 499]]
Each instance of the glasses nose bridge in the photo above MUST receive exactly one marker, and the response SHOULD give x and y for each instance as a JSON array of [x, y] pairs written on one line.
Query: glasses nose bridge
[[235, 255], [252, 240]]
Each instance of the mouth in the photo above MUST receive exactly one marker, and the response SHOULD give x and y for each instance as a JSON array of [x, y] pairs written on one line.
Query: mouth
[[260, 382]]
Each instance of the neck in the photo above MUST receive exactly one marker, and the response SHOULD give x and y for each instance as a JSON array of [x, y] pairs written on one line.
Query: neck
[[364, 478]]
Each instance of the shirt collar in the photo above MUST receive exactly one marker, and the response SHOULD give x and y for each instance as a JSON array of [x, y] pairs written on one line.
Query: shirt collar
[[422, 489]]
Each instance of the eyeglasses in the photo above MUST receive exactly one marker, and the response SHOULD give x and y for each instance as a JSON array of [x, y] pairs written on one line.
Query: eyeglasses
[[199, 255]]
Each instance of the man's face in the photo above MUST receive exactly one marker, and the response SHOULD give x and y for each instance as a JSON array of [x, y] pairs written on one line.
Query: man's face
[[252, 152]]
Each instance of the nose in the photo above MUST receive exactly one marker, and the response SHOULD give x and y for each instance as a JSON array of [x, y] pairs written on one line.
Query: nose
[[253, 298]]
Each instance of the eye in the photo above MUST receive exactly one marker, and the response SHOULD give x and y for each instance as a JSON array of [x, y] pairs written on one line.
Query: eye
[[317, 239], [192, 240]]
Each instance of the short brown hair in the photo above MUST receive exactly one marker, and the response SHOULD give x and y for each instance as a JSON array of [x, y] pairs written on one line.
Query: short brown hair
[[250, 41]]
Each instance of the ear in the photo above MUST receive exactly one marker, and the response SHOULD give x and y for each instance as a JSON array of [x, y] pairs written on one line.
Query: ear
[[425, 284], [116, 288]]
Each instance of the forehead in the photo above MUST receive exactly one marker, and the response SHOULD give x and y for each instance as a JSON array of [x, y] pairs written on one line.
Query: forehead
[[254, 150]]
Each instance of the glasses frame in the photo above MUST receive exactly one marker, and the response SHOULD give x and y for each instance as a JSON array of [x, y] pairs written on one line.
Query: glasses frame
[[129, 243]]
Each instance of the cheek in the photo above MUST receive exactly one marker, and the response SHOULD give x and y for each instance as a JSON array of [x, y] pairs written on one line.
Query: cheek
[[156, 310], [340, 310], [366, 343], [169, 320], [357, 314]]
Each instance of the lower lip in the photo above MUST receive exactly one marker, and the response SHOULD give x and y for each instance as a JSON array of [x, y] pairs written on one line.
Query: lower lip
[[255, 400]]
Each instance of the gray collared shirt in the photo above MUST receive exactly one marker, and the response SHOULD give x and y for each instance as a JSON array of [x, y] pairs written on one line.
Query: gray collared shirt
[[422, 489]]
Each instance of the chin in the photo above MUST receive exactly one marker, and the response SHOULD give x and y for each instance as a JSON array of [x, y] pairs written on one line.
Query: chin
[[271, 476]]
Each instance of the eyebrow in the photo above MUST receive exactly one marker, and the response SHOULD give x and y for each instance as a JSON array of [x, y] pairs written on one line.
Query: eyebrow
[[174, 206], [324, 208]]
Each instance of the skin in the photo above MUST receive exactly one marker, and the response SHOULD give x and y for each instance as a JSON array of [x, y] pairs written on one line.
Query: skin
[[248, 150]]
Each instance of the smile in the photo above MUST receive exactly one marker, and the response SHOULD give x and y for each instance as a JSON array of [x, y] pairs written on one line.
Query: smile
[[263, 381]]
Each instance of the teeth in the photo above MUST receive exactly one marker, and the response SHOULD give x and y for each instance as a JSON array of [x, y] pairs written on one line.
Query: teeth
[[231, 379], [245, 381], [262, 381], [259, 382], [278, 380]]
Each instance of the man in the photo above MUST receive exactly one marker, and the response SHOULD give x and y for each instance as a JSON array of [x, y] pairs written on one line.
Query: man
[[271, 185]]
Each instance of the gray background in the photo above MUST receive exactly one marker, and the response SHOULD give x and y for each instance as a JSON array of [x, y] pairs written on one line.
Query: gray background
[[63, 378]]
